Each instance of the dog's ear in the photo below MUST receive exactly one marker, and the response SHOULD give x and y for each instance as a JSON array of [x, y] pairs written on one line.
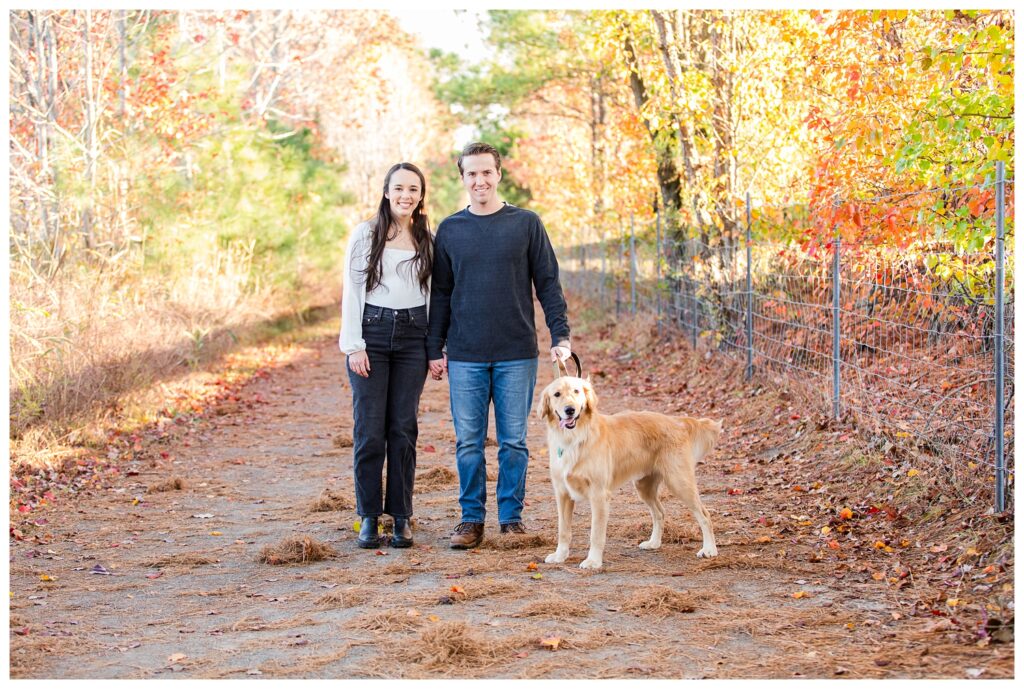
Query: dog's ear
[[590, 395], [544, 405]]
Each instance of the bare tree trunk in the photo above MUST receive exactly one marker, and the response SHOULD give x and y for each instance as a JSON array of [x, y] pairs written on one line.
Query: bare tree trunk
[[90, 131], [668, 30], [668, 170]]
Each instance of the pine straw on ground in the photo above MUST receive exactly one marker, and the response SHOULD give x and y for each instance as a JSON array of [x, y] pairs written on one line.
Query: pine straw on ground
[[178, 560], [454, 647], [254, 623], [435, 478], [331, 501], [388, 621], [296, 549], [556, 607], [519, 542], [659, 601], [175, 483], [345, 598]]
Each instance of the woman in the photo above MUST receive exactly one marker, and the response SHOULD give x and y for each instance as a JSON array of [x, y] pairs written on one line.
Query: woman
[[383, 331]]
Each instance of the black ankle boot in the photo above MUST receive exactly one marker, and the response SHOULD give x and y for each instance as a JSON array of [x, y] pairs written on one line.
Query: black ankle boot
[[402, 537], [368, 536]]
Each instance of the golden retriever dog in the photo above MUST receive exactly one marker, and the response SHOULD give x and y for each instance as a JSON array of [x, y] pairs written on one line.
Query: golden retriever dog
[[592, 454]]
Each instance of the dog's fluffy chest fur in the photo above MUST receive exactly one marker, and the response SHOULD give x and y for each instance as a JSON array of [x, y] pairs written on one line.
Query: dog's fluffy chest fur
[[564, 458]]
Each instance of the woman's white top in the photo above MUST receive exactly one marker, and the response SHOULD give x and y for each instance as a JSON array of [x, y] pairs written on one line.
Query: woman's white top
[[399, 286]]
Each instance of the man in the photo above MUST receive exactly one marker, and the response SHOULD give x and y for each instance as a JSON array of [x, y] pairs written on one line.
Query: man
[[488, 258]]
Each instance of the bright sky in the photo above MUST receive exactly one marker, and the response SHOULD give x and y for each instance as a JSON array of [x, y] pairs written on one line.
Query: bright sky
[[454, 31]]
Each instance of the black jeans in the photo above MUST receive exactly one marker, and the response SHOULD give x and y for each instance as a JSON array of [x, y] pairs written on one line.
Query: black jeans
[[384, 408]]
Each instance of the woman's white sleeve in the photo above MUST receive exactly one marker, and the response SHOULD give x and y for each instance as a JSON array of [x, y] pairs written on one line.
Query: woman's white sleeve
[[353, 296]]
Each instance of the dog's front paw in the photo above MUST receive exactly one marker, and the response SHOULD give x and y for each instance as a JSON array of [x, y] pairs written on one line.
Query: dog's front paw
[[591, 563], [650, 545], [707, 551], [557, 556]]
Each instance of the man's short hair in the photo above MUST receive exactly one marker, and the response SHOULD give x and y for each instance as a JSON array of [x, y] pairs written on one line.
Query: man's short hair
[[478, 148]]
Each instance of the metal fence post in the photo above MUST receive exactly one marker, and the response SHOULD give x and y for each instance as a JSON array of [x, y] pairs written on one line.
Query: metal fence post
[[693, 295], [618, 272], [604, 271], [657, 265], [998, 440], [632, 267], [750, 307], [835, 319]]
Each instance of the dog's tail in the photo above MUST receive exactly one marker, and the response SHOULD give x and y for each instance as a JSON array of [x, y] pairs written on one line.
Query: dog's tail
[[706, 434]]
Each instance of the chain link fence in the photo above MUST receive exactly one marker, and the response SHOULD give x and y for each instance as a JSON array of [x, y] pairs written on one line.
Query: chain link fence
[[915, 342]]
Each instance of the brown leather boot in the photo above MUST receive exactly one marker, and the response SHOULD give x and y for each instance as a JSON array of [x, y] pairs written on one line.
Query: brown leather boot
[[467, 535]]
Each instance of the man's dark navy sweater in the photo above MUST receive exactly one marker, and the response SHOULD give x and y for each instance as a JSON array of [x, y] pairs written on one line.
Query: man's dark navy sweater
[[481, 295]]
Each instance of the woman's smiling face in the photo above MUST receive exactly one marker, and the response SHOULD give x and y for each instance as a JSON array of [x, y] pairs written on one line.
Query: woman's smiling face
[[405, 192]]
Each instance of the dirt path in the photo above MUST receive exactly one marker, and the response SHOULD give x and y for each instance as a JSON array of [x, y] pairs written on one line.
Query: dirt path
[[187, 596]]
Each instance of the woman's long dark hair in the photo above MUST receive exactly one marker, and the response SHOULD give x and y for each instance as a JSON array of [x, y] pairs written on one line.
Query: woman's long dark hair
[[381, 226]]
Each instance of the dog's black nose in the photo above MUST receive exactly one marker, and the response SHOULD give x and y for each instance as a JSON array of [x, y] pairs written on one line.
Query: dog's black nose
[[569, 411]]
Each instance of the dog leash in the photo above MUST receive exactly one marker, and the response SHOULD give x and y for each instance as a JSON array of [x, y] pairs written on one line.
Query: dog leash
[[558, 365]]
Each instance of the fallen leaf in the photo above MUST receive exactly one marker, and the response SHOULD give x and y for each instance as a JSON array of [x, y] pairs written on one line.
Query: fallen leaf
[[46, 577], [433, 618], [764, 539], [538, 575], [551, 642], [846, 513], [952, 602], [379, 552], [429, 448], [800, 594], [457, 589], [941, 548], [735, 491], [877, 576], [532, 567], [413, 612], [176, 657], [912, 473], [833, 544], [216, 533], [99, 569]]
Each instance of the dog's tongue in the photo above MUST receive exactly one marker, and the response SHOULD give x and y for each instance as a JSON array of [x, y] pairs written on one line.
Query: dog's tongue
[[567, 423]]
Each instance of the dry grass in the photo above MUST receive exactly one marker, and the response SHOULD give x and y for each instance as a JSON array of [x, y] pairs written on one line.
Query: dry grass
[[342, 440], [175, 483], [659, 601], [295, 549], [330, 501], [435, 478]]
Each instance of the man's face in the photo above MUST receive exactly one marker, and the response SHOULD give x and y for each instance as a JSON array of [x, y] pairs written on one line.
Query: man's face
[[480, 176]]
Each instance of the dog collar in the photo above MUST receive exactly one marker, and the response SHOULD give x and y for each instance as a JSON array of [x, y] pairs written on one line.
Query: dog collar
[[560, 451]]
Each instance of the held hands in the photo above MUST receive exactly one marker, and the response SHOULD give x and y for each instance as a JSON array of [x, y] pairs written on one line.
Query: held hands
[[438, 367], [561, 352], [359, 362]]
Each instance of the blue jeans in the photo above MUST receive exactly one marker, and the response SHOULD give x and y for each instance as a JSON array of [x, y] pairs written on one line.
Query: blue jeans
[[473, 385]]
